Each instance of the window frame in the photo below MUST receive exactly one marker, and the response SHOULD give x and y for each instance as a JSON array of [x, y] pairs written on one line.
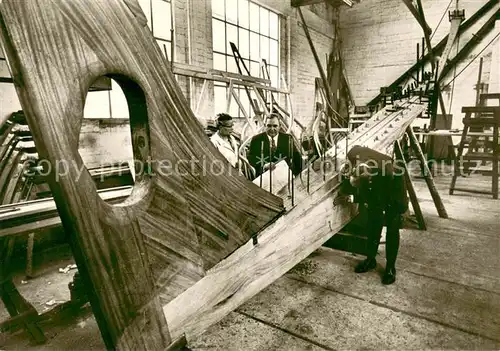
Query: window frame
[[273, 38]]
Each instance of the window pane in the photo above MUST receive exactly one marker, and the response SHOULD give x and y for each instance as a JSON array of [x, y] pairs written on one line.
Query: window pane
[[264, 48], [254, 47], [220, 62], [161, 19], [4, 69], [244, 102], [254, 17], [273, 73], [244, 44], [255, 101], [233, 108], [146, 8], [231, 64], [247, 65], [119, 105], [273, 52], [97, 105], [254, 69], [218, 8], [218, 36], [243, 13], [273, 25], [232, 37], [165, 47], [232, 11], [219, 99], [264, 21]]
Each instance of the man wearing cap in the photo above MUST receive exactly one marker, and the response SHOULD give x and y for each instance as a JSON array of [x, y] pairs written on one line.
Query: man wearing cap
[[378, 186]]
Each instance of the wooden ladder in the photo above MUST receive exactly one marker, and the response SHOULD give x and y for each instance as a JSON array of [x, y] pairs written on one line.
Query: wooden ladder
[[475, 128]]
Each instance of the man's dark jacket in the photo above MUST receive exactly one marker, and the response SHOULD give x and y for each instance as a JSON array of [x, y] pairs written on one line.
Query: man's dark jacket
[[259, 152], [387, 189]]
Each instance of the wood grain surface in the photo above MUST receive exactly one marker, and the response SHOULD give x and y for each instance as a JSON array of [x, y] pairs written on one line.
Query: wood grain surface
[[188, 208]]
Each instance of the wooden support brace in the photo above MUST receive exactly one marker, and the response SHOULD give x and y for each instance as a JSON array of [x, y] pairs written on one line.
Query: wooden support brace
[[18, 306], [411, 190], [427, 174]]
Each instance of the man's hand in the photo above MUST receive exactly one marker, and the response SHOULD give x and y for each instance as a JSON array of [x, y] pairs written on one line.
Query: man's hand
[[342, 199], [268, 166]]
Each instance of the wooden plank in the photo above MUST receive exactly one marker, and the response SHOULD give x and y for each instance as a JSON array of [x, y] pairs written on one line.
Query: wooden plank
[[494, 186], [417, 16], [297, 3], [208, 76], [175, 224], [427, 174], [481, 121], [184, 67], [411, 189], [487, 109]]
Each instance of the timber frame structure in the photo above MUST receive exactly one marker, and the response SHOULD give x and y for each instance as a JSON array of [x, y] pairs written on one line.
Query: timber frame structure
[[438, 48]]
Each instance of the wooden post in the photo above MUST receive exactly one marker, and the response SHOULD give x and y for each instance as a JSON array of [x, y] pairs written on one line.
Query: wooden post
[[494, 188], [427, 174], [29, 255], [411, 189]]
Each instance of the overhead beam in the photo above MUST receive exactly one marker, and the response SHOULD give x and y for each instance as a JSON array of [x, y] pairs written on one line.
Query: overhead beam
[[298, 3], [439, 47], [471, 44], [417, 16]]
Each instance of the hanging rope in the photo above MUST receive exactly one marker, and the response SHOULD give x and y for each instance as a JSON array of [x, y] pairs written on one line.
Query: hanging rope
[[444, 13], [454, 72], [475, 57]]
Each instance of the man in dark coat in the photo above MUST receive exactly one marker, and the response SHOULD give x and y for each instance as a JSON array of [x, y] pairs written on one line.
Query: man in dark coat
[[378, 186], [270, 147]]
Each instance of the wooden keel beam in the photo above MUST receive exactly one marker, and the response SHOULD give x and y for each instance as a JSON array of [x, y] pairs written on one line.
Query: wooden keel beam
[[181, 218], [427, 174], [307, 225]]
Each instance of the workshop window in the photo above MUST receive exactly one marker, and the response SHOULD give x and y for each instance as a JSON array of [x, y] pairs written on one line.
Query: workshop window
[[255, 32], [159, 15], [106, 99]]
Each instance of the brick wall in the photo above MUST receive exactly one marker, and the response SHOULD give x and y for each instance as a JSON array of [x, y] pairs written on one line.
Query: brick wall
[[379, 39], [104, 142]]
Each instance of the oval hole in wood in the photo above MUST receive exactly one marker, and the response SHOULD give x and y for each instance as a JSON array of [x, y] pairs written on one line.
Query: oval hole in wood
[[114, 138]]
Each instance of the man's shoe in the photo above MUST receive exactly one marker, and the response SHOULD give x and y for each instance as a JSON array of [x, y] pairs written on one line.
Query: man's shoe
[[389, 276], [366, 265]]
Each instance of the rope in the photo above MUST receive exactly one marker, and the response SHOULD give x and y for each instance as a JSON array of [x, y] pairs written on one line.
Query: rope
[[454, 72], [475, 57], [444, 13]]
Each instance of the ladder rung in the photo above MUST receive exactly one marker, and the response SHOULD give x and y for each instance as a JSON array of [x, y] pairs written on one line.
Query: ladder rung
[[480, 156], [490, 109], [483, 121], [473, 191]]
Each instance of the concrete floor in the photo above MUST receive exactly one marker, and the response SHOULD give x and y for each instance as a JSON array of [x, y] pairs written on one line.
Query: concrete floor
[[447, 293]]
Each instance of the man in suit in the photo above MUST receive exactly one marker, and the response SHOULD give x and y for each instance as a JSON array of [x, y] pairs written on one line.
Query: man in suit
[[378, 186], [224, 141], [270, 147]]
